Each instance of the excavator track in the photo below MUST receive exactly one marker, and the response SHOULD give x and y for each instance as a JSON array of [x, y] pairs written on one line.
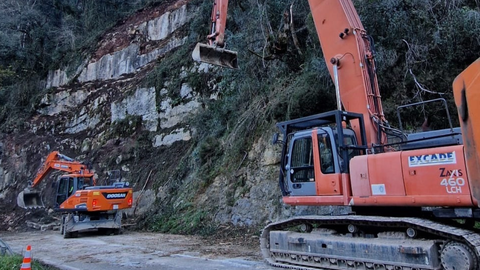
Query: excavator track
[[394, 243]]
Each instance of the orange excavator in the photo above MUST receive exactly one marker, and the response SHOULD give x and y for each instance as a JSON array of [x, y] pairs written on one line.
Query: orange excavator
[[412, 202], [84, 205]]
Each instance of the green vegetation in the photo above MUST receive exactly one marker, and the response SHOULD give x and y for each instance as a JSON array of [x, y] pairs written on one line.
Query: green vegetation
[[431, 40], [15, 262], [209, 152], [184, 220]]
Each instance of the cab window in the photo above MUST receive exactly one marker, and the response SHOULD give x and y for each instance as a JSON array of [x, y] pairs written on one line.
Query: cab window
[[70, 186], [301, 165], [326, 154]]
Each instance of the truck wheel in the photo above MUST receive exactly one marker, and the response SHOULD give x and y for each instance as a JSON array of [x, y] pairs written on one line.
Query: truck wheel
[[67, 235]]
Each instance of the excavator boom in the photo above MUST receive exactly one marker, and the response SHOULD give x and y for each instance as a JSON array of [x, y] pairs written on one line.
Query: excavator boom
[[214, 52], [57, 161], [348, 51]]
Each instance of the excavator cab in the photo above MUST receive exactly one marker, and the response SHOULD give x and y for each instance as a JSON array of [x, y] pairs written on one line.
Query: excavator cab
[[317, 152], [68, 185], [304, 167]]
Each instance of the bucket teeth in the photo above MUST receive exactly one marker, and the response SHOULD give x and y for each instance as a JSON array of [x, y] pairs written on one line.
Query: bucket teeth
[[30, 200]]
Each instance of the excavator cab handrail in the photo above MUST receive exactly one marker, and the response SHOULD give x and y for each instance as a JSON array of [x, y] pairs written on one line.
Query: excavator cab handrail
[[423, 103]]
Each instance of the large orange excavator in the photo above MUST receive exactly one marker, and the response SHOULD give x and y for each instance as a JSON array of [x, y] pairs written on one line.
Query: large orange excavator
[[84, 205], [414, 201]]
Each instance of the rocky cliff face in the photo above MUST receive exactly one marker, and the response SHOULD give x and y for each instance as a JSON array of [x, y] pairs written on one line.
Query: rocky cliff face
[[100, 112]]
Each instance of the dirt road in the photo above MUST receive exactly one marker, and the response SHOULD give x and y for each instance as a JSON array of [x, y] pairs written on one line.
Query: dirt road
[[135, 250]]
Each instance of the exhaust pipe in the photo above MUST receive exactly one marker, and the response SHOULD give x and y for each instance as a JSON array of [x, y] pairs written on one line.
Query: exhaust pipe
[[215, 56], [28, 199]]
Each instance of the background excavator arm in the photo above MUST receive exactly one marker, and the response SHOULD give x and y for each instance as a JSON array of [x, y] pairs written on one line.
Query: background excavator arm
[[214, 52], [57, 161], [218, 23]]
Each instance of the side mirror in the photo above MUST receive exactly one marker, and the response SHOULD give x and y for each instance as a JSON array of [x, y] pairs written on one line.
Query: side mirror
[[275, 138]]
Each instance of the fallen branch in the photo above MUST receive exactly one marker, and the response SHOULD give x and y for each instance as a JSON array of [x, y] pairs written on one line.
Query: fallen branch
[[141, 192]]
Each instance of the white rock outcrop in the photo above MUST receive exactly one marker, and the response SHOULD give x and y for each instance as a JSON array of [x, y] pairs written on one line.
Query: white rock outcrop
[[180, 134], [170, 115], [126, 61], [62, 101], [141, 103], [129, 59], [82, 122], [161, 27]]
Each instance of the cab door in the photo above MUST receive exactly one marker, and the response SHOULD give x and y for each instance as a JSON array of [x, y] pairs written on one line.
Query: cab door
[[328, 163], [300, 166], [65, 188]]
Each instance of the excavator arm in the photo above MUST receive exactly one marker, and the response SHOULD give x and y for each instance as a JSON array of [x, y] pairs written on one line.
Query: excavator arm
[[215, 52], [57, 161], [31, 198], [218, 23]]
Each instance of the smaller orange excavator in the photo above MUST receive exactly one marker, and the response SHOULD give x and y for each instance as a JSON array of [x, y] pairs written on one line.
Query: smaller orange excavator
[[215, 52], [85, 205]]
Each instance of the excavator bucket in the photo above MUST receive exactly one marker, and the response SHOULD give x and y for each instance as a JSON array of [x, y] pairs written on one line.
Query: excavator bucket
[[28, 199], [214, 55]]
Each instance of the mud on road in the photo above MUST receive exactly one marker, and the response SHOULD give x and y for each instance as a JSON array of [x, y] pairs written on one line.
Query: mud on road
[[137, 250]]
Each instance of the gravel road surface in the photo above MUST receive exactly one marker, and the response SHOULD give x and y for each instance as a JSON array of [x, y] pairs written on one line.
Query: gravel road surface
[[136, 250]]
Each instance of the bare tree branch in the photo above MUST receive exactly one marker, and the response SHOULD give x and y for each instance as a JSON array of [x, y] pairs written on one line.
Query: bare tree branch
[[292, 31], [421, 87]]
